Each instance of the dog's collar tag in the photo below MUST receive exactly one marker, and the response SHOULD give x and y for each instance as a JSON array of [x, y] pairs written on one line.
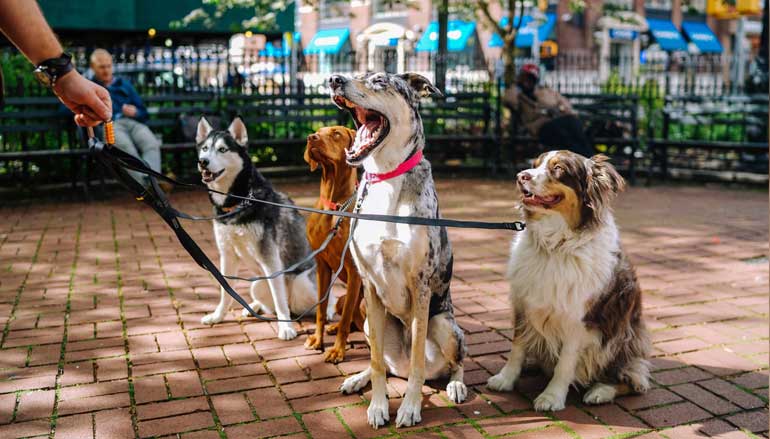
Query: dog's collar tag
[[403, 168]]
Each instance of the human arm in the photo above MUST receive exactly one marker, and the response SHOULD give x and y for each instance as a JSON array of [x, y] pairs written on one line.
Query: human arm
[[24, 25]]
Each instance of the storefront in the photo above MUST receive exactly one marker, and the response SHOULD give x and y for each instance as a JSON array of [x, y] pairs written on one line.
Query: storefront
[[329, 47], [385, 46], [462, 44], [533, 32], [619, 42]]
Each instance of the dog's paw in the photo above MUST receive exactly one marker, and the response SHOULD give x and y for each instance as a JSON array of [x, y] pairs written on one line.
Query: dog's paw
[[409, 412], [600, 393], [286, 332], [314, 342], [501, 382], [456, 391], [377, 413], [256, 306], [333, 328], [213, 318], [549, 402], [334, 355], [355, 383]]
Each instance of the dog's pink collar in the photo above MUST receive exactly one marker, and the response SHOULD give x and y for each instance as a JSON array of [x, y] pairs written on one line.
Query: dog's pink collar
[[403, 168]]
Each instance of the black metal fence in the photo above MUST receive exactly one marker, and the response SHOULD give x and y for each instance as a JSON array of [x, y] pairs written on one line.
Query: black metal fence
[[39, 144], [216, 68]]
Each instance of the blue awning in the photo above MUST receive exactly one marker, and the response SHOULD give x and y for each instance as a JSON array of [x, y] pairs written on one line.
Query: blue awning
[[458, 35], [702, 36], [329, 41], [273, 51], [526, 36], [667, 35]]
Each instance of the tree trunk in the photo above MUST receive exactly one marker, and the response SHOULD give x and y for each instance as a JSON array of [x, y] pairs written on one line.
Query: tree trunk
[[441, 53], [509, 61], [763, 43]]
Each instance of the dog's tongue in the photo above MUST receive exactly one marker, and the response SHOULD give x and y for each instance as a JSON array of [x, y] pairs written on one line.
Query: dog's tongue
[[365, 134]]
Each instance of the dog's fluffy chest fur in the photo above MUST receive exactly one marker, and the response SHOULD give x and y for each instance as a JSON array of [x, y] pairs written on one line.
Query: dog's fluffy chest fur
[[243, 239], [555, 274]]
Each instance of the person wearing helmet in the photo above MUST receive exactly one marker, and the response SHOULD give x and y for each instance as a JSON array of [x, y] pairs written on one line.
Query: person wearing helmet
[[545, 114]]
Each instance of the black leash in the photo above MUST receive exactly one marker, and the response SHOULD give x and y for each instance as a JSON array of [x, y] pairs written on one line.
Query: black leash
[[154, 197], [295, 268], [138, 165], [118, 162]]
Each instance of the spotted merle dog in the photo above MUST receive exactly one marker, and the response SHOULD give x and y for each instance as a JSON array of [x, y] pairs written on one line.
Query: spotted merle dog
[[406, 269], [262, 237]]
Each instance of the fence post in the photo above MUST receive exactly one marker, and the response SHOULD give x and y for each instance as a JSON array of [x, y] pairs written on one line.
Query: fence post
[[498, 124]]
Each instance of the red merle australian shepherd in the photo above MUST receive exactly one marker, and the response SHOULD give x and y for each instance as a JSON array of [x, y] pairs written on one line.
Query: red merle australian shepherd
[[577, 310]]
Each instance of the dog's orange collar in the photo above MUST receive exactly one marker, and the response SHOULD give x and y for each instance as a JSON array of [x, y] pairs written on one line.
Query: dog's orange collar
[[403, 168], [329, 204], [228, 209]]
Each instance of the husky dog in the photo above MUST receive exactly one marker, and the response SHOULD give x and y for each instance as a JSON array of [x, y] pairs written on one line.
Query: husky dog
[[406, 269], [577, 306], [264, 238]]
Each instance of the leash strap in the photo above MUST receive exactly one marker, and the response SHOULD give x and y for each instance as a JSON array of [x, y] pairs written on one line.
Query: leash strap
[[138, 165], [154, 197], [295, 269]]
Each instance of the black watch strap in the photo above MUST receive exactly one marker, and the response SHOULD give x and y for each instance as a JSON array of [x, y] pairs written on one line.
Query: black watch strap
[[54, 68]]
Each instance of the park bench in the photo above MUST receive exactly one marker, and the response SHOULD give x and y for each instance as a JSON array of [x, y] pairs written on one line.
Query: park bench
[[459, 128], [278, 125], [35, 133], [610, 123], [169, 114], [722, 137]]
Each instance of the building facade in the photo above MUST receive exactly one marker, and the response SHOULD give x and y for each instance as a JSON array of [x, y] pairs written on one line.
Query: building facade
[[381, 36]]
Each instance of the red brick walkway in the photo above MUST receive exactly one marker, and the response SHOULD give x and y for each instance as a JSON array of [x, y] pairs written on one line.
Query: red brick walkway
[[100, 310]]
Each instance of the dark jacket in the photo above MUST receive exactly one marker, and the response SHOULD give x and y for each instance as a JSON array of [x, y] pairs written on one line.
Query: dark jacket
[[534, 113], [122, 92]]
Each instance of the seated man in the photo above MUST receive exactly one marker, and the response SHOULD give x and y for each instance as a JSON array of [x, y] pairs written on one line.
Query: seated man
[[128, 114], [546, 114]]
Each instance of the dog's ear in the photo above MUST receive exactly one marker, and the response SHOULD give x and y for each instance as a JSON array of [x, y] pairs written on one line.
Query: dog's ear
[[420, 84], [310, 161], [204, 128], [238, 130], [605, 175], [603, 183]]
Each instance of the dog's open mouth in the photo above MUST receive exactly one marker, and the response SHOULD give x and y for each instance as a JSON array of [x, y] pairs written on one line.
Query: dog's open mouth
[[545, 201], [371, 129], [208, 176]]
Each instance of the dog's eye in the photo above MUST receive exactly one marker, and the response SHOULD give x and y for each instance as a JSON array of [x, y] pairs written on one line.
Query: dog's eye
[[222, 149], [336, 134], [204, 148], [558, 168], [379, 80]]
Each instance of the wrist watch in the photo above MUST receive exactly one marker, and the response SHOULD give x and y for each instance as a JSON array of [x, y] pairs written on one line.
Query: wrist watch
[[48, 71]]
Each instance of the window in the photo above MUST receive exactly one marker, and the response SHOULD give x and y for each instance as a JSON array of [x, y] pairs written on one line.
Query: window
[[661, 5], [390, 7], [693, 7], [618, 5], [331, 9]]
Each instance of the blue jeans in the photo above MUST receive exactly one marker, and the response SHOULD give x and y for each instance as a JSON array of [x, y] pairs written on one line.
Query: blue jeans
[[136, 139]]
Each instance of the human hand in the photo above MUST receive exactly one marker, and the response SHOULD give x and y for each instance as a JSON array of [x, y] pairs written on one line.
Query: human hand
[[128, 110], [89, 101]]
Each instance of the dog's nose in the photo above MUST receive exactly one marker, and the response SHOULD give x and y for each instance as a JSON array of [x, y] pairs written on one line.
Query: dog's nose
[[524, 176], [203, 162], [336, 81], [314, 137]]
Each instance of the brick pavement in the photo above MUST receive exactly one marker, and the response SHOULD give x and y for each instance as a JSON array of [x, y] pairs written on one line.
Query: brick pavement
[[100, 310]]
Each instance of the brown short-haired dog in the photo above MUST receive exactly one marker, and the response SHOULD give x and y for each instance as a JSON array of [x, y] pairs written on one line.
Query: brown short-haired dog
[[326, 148]]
